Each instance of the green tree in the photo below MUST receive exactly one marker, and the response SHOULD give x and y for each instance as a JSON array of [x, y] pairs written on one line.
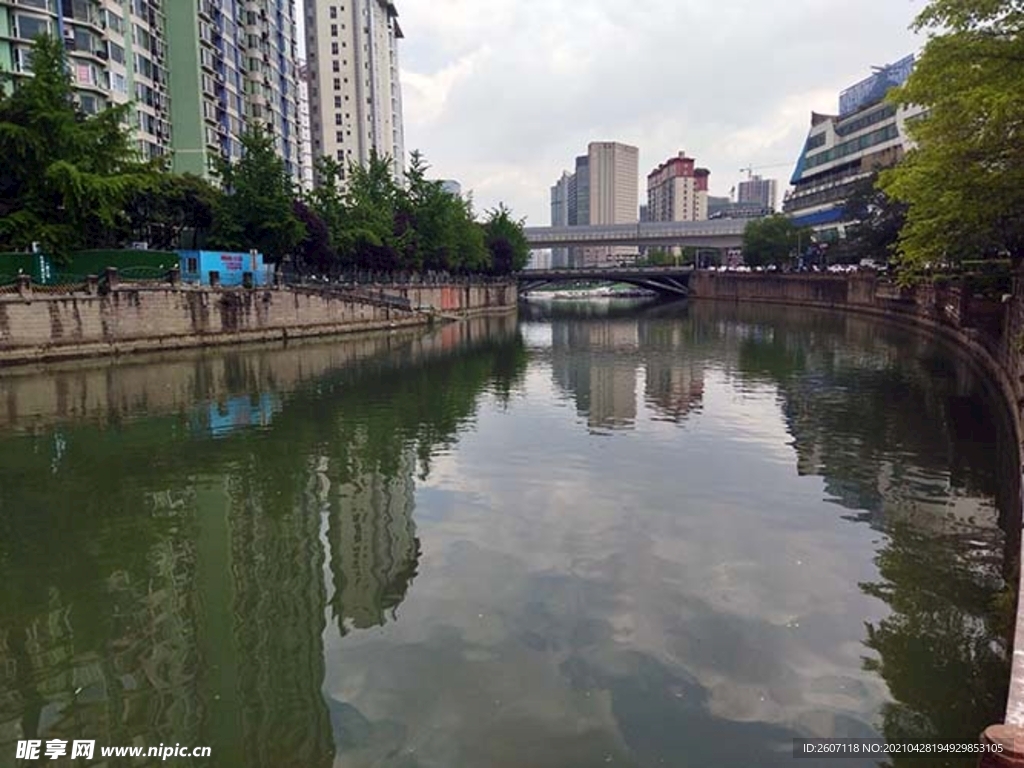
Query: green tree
[[327, 200], [447, 236], [171, 211], [367, 235], [314, 252], [878, 222], [773, 240], [65, 175], [506, 242], [964, 183], [256, 210], [472, 254]]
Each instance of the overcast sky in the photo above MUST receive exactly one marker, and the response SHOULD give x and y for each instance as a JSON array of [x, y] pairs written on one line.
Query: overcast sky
[[502, 95]]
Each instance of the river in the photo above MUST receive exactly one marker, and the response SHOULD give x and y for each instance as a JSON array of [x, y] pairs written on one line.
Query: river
[[609, 533]]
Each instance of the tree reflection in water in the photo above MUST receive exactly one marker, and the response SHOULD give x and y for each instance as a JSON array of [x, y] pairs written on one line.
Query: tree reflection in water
[[164, 582], [944, 649]]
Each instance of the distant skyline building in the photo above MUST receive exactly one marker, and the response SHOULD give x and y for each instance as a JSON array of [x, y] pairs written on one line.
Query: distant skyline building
[[451, 187], [758, 191], [581, 193], [560, 215], [613, 197], [678, 191], [601, 190], [355, 89], [579, 206], [843, 150]]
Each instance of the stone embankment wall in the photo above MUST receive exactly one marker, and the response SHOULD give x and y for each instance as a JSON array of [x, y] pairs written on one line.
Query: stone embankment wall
[[38, 326], [34, 396], [990, 328]]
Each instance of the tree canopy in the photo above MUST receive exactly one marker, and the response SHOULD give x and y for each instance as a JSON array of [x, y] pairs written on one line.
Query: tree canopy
[[878, 222], [963, 183], [72, 181], [66, 176], [774, 239]]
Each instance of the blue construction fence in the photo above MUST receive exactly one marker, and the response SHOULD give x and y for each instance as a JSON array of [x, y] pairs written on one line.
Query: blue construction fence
[[231, 268]]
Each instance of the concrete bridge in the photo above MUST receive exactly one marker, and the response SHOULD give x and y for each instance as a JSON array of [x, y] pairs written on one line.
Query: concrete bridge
[[673, 281], [720, 233]]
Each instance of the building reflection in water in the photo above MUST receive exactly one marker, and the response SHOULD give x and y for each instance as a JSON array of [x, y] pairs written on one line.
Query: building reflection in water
[[163, 586], [374, 551], [598, 360]]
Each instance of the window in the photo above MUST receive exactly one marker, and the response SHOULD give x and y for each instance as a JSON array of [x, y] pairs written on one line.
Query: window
[[192, 264], [337, 84], [334, 30], [339, 137], [115, 23], [337, 119], [23, 60], [334, 11], [334, 49], [337, 102], [31, 27], [336, 66], [815, 141]]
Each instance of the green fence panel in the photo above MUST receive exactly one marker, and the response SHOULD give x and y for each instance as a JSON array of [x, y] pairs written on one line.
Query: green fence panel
[[19, 263], [94, 262]]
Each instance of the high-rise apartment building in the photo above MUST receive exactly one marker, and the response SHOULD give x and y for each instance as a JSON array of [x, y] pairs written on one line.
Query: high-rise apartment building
[[199, 73], [305, 138], [355, 93], [758, 191], [116, 54], [232, 65], [613, 182], [678, 191], [612, 192]]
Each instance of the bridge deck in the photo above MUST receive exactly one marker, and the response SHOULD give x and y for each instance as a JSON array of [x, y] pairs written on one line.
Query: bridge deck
[[718, 233]]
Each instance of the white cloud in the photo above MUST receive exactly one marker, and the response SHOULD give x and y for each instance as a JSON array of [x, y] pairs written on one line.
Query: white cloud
[[503, 95]]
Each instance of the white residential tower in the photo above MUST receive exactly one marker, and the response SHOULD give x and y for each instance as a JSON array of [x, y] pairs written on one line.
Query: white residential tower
[[354, 91]]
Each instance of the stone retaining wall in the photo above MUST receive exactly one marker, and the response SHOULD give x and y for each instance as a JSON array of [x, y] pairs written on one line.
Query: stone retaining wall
[[36, 326]]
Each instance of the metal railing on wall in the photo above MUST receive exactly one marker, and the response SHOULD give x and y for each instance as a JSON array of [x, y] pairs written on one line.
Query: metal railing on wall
[[385, 278]]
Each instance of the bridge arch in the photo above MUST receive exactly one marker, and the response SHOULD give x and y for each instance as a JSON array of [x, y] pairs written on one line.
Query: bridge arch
[[670, 281]]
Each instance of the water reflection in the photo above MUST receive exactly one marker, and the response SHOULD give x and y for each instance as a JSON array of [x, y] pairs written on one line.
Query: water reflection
[[906, 436], [598, 363], [164, 577], [422, 550], [374, 549]]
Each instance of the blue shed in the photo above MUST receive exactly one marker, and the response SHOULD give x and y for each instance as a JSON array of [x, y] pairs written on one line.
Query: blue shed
[[196, 267]]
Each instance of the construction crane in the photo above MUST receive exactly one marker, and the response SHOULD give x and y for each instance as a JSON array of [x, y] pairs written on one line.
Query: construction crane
[[751, 168]]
